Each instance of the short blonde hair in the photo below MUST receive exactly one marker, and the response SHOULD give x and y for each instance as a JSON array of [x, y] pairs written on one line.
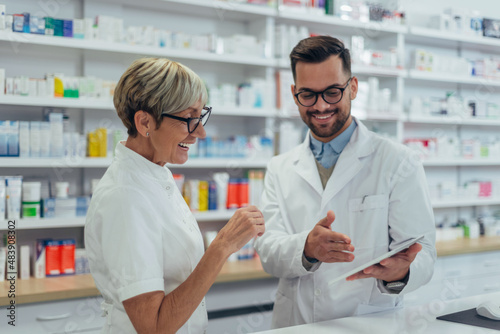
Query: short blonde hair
[[156, 86]]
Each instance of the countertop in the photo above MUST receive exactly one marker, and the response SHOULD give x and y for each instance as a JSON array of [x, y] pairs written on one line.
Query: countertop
[[467, 246], [78, 286], [407, 320]]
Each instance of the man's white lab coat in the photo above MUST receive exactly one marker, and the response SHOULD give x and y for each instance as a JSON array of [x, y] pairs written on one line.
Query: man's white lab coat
[[379, 194]]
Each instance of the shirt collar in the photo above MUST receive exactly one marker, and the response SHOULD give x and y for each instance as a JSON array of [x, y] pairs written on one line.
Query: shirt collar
[[337, 144], [140, 164]]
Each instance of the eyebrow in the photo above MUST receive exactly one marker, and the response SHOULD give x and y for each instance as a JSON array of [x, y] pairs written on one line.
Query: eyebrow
[[305, 89], [191, 109]]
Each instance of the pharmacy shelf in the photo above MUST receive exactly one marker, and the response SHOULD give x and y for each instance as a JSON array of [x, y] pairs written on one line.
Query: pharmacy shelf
[[226, 163], [247, 112], [460, 162], [218, 9], [361, 70], [97, 45], [217, 215], [378, 71], [422, 35], [456, 203], [360, 114], [43, 223], [55, 162], [39, 223], [105, 104], [341, 26], [382, 117], [452, 120], [455, 79], [373, 116], [76, 103]]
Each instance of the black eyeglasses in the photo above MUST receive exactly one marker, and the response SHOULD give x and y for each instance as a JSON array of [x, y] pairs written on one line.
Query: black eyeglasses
[[192, 122], [331, 95]]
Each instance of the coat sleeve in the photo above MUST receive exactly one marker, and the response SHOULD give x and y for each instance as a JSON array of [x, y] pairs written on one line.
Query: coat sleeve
[[411, 215], [280, 248]]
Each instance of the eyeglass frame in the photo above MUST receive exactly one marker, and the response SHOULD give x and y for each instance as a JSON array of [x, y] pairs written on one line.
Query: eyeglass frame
[[342, 89], [189, 119]]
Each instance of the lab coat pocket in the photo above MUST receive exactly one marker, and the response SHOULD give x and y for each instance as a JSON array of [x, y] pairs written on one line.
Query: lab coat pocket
[[369, 220]]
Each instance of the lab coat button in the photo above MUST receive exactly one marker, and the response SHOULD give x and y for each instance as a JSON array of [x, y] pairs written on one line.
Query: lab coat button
[[168, 187], [317, 292]]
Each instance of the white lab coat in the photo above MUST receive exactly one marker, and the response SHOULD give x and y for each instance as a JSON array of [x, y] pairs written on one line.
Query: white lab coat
[[379, 194], [140, 237]]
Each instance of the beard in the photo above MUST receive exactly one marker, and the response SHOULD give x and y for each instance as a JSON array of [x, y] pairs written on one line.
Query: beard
[[325, 130]]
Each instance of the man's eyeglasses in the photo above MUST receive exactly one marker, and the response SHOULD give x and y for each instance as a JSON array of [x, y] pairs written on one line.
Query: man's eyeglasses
[[192, 122], [330, 95]]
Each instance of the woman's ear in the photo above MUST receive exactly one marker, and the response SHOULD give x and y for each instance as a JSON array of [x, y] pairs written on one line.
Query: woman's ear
[[143, 123]]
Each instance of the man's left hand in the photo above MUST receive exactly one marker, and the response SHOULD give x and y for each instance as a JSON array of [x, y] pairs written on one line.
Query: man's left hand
[[391, 269]]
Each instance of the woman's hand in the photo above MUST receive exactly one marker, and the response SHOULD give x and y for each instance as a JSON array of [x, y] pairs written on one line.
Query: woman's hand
[[245, 224]]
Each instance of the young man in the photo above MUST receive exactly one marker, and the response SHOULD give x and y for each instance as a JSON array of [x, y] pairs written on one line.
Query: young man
[[341, 198]]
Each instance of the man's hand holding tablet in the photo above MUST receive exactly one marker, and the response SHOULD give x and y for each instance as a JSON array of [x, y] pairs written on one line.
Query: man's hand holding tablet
[[389, 267]]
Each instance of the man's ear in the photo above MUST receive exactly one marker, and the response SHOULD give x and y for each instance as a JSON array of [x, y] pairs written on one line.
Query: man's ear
[[292, 88], [354, 87], [143, 123]]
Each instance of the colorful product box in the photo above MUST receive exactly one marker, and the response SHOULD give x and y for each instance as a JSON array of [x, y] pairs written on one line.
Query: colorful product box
[[52, 258], [65, 207], [67, 256], [18, 23], [68, 28], [37, 25], [49, 26], [59, 257], [39, 259], [58, 27], [26, 23], [491, 28]]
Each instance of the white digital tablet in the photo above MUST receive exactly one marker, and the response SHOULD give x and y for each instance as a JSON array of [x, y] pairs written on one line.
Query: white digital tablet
[[398, 249]]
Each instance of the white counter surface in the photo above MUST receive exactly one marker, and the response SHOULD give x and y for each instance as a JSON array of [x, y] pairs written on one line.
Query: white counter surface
[[414, 319]]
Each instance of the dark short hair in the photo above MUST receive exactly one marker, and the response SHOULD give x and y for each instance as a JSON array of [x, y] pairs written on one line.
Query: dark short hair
[[317, 49]]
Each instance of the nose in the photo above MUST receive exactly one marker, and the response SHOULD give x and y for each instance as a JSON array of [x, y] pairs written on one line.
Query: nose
[[199, 132], [321, 104]]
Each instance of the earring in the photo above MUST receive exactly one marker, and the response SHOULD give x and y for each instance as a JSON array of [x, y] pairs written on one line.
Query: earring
[[147, 134]]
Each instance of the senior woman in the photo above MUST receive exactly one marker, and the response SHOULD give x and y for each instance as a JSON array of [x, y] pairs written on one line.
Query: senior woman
[[144, 246]]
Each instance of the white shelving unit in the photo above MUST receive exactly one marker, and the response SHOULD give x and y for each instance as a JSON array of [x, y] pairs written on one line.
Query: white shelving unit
[[340, 25], [461, 162], [448, 39], [451, 120], [221, 163], [75, 103], [463, 203], [138, 50], [54, 223], [221, 10], [448, 78], [76, 162], [108, 60], [437, 85]]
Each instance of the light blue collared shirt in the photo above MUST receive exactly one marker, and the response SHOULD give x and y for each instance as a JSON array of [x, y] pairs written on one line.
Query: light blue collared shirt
[[327, 154]]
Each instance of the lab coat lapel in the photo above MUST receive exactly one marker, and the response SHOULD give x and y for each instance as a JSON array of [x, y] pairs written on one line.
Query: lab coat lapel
[[349, 163], [305, 166]]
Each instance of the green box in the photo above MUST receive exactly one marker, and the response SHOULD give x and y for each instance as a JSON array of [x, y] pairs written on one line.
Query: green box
[[49, 26]]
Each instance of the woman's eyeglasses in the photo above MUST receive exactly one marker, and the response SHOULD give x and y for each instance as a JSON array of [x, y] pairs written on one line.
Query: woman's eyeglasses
[[192, 122]]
